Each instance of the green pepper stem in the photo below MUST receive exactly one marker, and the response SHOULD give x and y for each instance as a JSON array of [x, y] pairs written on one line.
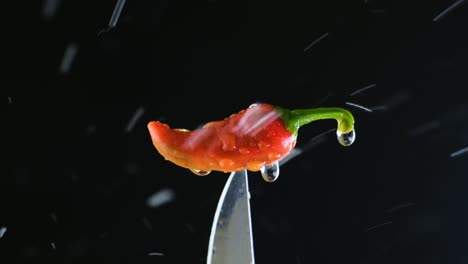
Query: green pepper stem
[[294, 119]]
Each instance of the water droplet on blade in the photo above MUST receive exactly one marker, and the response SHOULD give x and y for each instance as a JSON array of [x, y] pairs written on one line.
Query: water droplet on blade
[[200, 172], [270, 173], [346, 139]]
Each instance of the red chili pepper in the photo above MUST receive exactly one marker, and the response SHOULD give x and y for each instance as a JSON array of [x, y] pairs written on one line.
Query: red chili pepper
[[251, 139]]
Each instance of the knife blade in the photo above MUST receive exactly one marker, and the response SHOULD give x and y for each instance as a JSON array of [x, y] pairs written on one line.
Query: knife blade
[[231, 239]]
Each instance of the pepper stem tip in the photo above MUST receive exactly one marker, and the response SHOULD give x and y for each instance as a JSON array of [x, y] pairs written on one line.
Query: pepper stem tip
[[294, 119]]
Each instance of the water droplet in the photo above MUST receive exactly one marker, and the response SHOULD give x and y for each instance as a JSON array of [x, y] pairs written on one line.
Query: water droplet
[[244, 151], [200, 172], [346, 139], [274, 156], [270, 173], [229, 142], [262, 145], [226, 163], [255, 165]]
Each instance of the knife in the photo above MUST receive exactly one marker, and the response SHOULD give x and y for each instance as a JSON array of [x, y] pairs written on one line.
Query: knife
[[231, 239]]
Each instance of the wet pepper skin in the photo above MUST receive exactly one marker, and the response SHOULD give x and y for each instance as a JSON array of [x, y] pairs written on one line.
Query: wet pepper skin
[[250, 139]]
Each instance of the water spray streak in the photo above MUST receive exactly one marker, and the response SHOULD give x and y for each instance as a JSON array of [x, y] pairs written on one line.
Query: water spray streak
[[459, 152], [424, 128], [136, 116], [448, 10], [155, 254], [261, 123], [315, 42], [360, 107], [160, 198], [49, 9], [116, 14], [315, 141], [2, 231], [378, 226], [398, 207], [69, 55], [370, 86]]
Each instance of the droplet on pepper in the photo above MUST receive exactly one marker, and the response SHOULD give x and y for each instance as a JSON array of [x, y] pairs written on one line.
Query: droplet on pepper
[[251, 139]]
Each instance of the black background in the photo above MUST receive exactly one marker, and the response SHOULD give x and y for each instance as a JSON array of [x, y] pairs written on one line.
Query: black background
[[76, 182]]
